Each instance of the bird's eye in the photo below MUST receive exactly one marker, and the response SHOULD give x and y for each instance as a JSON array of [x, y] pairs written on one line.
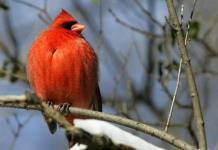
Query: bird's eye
[[68, 25]]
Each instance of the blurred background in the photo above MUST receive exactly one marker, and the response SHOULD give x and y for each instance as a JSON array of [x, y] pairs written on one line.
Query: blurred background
[[138, 58]]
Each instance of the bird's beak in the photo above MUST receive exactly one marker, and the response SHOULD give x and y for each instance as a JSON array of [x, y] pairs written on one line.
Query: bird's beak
[[78, 27]]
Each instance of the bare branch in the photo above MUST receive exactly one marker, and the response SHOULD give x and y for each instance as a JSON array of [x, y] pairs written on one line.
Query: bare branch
[[76, 135], [43, 10], [23, 102], [16, 75], [174, 96], [20, 126], [148, 34], [190, 76], [211, 27], [147, 13], [180, 63]]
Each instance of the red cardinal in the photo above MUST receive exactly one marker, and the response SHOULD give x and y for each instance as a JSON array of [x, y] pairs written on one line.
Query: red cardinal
[[62, 67]]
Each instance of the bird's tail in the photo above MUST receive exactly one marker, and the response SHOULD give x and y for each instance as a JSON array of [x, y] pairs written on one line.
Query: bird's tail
[[97, 100], [52, 125]]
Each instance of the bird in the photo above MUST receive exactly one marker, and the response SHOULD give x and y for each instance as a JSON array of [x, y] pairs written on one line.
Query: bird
[[62, 67]]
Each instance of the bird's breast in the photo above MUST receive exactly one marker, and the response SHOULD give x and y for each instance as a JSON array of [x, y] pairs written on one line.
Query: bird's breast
[[62, 68]]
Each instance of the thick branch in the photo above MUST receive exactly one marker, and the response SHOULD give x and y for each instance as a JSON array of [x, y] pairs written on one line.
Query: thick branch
[[76, 135], [190, 76], [23, 103]]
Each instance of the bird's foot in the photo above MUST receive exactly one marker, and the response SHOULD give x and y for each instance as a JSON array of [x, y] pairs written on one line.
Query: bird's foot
[[64, 108], [50, 104]]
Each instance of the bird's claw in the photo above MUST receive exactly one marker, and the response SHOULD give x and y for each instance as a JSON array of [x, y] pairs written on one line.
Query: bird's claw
[[50, 104], [64, 108]]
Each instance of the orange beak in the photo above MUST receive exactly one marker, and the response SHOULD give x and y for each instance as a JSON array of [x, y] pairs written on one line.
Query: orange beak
[[78, 27]]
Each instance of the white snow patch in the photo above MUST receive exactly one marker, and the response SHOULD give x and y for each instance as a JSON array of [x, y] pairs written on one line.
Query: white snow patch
[[116, 134], [78, 147]]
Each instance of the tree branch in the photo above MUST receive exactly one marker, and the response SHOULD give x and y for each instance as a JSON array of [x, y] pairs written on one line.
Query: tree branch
[[190, 76], [147, 13], [148, 34], [74, 134], [174, 96], [24, 102]]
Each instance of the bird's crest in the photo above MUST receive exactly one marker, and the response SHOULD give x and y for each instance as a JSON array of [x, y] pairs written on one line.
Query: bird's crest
[[65, 20]]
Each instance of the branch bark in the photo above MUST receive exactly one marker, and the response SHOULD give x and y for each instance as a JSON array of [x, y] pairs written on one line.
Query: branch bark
[[23, 102], [74, 134], [190, 76], [77, 135]]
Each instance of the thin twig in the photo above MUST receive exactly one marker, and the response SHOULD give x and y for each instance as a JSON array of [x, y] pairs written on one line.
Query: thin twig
[[177, 103], [121, 73], [174, 96], [211, 27], [151, 105], [100, 36], [20, 126], [147, 13], [6, 51], [148, 34], [43, 10], [29, 5], [20, 76]]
